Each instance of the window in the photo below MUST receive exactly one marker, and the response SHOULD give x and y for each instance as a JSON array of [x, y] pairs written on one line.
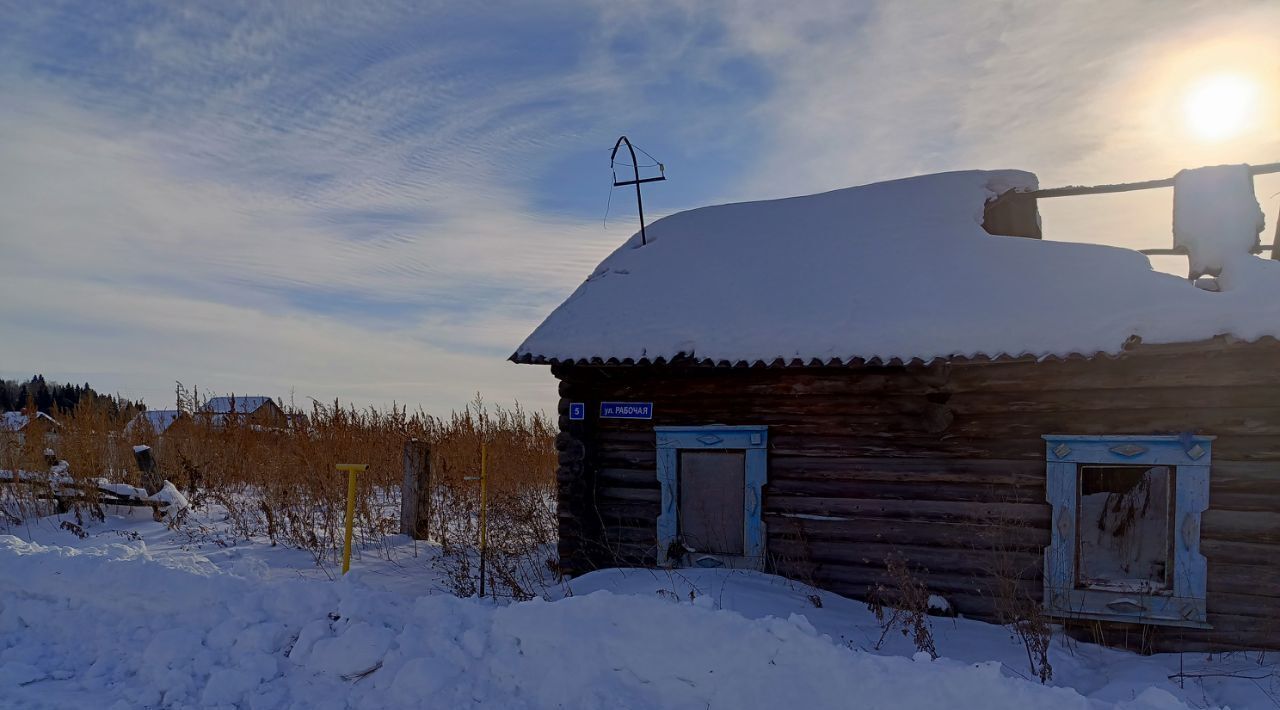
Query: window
[[712, 478], [1126, 528]]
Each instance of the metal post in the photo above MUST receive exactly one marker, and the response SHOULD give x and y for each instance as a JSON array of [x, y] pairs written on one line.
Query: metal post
[[484, 516], [635, 166], [484, 513], [350, 469]]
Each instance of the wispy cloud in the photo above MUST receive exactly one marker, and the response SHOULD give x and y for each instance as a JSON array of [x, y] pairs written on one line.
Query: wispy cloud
[[380, 200]]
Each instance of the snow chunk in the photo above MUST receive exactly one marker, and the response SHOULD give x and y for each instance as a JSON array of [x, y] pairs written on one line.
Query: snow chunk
[[357, 650], [170, 494], [939, 606], [1216, 216]]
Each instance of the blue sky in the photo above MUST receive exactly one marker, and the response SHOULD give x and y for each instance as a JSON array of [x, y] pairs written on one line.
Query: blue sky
[[377, 201]]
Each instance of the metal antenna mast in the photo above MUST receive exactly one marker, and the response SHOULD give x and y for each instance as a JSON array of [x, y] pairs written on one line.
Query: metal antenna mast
[[635, 164]]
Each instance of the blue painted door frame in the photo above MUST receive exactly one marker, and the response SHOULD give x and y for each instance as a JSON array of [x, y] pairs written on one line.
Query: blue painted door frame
[[754, 442]]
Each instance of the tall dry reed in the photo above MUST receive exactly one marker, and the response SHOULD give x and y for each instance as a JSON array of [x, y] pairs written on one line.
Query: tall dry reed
[[279, 481]]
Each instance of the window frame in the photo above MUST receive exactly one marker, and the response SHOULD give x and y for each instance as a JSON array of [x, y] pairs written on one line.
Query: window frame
[[753, 441], [1190, 459]]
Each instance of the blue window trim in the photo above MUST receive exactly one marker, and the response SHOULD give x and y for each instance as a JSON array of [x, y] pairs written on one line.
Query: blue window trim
[[1190, 456], [754, 441]]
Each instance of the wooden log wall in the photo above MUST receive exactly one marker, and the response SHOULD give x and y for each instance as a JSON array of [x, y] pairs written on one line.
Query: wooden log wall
[[943, 465]]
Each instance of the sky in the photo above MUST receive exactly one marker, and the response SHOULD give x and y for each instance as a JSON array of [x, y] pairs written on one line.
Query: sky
[[378, 201]]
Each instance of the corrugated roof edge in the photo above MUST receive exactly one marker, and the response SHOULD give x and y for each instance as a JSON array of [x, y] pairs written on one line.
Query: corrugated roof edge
[[1217, 342]]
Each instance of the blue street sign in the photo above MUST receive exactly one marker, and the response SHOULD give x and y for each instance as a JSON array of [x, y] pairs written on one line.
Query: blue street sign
[[577, 411], [626, 410]]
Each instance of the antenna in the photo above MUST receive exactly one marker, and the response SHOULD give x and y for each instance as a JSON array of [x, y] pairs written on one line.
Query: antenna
[[635, 164]]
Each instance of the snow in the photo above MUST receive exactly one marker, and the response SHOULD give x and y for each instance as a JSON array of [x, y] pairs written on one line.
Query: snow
[[899, 269], [169, 494], [13, 421], [1216, 216], [939, 605], [121, 489], [142, 615]]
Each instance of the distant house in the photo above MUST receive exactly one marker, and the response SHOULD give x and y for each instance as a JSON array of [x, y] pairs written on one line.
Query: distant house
[[158, 420], [814, 385], [254, 410], [18, 427]]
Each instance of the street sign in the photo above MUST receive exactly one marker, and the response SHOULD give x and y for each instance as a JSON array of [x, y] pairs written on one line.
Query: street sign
[[626, 410], [577, 411]]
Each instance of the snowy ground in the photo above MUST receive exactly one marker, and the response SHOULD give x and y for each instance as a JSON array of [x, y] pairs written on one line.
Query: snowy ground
[[137, 615]]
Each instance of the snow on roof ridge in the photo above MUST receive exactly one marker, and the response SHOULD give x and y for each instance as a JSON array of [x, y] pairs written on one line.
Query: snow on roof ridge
[[243, 404], [891, 271]]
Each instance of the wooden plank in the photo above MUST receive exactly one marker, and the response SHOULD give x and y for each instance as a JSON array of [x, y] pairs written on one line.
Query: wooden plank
[[1256, 421], [628, 477], [854, 580], [1256, 527], [956, 536], [630, 495], [1236, 553], [920, 489], [939, 511], [786, 444], [1132, 398], [1243, 578], [1239, 367], [934, 559], [1018, 472]]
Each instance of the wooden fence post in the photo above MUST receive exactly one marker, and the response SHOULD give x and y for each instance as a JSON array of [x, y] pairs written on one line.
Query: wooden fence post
[[415, 490], [151, 478]]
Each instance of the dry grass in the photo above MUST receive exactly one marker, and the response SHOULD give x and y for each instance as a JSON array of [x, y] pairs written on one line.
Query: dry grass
[[280, 482]]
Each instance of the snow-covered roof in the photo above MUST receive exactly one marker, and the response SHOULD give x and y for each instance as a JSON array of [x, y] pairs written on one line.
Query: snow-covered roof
[[17, 421], [13, 421], [243, 405], [158, 419], [898, 270]]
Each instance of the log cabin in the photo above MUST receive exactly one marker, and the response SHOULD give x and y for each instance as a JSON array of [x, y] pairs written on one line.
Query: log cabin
[[254, 411], [814, 385]]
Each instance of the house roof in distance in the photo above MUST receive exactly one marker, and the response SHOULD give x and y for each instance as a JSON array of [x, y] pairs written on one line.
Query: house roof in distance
[[17, 421], [158, 419], [892, 271], [240, 405]]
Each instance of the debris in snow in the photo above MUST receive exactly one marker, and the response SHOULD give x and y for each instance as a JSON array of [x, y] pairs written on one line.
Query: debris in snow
[[1216, 216], [1208, 283], [121, 489], [939, 606]]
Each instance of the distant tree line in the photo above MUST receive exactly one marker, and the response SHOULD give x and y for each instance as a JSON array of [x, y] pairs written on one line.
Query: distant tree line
[[54, 398]]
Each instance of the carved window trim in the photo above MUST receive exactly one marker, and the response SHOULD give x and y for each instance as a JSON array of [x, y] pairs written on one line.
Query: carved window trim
[[1189, 457]]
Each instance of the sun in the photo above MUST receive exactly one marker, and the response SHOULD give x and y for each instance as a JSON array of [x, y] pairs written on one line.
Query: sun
[[1220, 106]]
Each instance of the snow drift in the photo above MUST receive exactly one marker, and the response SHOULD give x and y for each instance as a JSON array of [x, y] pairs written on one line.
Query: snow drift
[[113, 623]]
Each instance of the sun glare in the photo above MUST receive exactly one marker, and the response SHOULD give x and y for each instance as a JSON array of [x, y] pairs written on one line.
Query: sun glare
[[1221, 106]]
